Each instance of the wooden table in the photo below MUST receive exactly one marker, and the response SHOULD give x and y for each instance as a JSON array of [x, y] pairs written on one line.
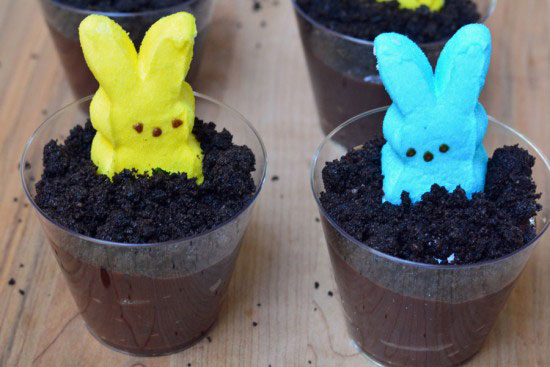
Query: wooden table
[[261, 72]]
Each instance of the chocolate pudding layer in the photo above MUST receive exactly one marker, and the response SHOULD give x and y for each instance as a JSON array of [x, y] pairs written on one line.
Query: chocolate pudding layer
[[150, 312], [400, 330], [343, 76]]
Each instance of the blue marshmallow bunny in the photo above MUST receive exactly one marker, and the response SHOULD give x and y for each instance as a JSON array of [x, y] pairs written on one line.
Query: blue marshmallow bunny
[[435, 127]]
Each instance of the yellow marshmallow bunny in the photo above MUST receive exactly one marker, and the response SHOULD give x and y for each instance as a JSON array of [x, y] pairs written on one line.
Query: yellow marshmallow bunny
[[144, 111], [434, 5]]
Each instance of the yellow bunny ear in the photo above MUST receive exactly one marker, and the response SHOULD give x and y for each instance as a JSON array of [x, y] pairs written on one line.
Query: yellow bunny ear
[[109, 53], [166, 53]]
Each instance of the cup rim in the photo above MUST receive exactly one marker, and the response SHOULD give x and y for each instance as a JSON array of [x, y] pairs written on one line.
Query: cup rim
[[115, 14], [154, 244], [364, 42], [492, 120]]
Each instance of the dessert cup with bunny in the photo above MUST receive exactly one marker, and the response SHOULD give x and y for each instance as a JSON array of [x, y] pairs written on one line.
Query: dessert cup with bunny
[[427, 235], [136, 17], [143, 200]]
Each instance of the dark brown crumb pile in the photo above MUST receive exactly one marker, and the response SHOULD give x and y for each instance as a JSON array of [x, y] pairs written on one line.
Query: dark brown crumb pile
[[123, 6], [492, 224], [138, 208], [366, 19], [256, 6]]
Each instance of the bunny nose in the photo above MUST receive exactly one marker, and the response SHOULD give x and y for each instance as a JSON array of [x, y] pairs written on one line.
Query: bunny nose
[[428, 156], [176, 123]]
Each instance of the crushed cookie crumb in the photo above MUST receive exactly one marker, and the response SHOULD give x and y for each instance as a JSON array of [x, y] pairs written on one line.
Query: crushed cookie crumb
[[256, 6]]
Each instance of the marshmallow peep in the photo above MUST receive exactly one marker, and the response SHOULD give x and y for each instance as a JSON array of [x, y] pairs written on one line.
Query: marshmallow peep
[[144, 110], [435, 127], [433, 5]]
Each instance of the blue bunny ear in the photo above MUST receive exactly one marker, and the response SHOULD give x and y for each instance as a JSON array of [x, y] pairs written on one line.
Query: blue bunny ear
[[405, 72], [462, 67]]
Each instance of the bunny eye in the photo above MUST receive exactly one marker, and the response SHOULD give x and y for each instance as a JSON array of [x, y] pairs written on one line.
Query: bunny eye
[[444, 148], [428, 156], [157, 132], [138, 127], [176, 123], [411, 152]]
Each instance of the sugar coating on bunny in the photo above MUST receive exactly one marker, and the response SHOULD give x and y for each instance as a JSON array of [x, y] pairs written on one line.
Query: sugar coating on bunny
[[144, 110], [435, 127], [434, 5]]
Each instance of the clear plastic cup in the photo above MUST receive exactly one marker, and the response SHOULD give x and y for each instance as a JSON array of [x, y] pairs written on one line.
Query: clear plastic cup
[[63, 21], [402, 313], [342, 69], [146, 299]]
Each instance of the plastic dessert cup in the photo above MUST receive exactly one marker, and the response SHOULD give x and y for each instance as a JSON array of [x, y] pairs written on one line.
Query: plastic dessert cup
[[63, 21], [402, 313], [342, 69], [147, 299]]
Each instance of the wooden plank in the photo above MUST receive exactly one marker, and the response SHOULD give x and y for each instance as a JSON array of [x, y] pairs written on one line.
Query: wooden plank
[[261, 72]]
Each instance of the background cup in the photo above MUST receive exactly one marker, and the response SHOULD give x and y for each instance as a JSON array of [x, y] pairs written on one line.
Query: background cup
[[147, 299], [63, 22], [402, 313], [342, 69]]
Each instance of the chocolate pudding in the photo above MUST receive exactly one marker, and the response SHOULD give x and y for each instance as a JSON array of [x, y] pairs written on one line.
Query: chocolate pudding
[[339, 94], [79, 76], [399, 330], [63, 22], [142, 313]]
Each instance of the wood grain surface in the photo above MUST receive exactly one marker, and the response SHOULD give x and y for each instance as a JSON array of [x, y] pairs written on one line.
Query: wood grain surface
[[259, 70]]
